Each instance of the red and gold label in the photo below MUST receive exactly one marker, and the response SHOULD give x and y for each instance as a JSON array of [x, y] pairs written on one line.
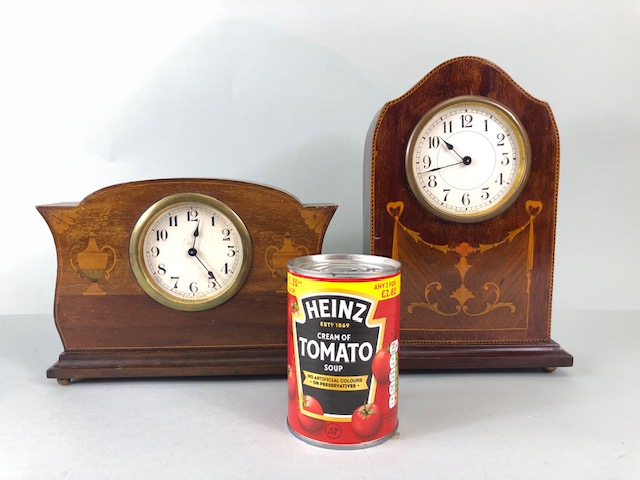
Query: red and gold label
[[343, 358]]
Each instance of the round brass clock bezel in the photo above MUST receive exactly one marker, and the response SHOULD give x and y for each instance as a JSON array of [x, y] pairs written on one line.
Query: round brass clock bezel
[[145, 279], [522, 140]]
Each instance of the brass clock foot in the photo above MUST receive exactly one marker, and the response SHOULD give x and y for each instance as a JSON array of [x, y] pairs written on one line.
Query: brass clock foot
[[549, 369], [64, 381]]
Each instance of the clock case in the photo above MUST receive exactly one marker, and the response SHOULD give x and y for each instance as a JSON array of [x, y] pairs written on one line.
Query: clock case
[[111, 328], [474, 295]]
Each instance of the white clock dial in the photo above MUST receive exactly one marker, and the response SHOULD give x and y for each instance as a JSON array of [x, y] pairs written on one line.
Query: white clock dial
[[467, 159], [190, 252]]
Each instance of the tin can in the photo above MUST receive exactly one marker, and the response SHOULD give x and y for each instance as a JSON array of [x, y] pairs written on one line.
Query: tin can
[[343, 326]]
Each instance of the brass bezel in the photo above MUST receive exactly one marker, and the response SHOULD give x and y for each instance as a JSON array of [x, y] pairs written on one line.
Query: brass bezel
[[522, 174], [145, 279]]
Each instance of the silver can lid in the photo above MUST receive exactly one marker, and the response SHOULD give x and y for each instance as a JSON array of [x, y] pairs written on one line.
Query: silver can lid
[[337, 265]]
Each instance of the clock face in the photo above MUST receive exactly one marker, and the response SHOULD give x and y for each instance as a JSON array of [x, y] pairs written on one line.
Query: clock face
[[467, 159], [190, 252]]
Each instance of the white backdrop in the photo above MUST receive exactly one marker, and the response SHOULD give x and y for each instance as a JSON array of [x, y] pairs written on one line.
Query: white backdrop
[[282, 93]]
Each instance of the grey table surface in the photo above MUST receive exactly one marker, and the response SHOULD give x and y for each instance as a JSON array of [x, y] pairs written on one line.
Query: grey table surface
[[580, 422]]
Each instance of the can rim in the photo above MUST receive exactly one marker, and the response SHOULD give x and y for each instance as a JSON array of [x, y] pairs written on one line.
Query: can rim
[[344, 265], [344, 446]]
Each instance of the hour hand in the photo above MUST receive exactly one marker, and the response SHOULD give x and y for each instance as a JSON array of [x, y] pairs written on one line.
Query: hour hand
[[449, 146], [196, 233], [466, 159]]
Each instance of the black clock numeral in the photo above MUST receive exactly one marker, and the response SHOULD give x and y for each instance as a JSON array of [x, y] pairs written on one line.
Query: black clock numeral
[[213, 221], [212, 283], [448, 126], [162, 270], [432, 181], [161, 235], [500, 179], [173, 221], [486, 125], [505, 158], [446, 194], [192, 216], [434, 142], [193, 287], [501, 137], [226, 235], [465, 199], [485, 193], [466, 121], [231, 252], [426, 162], [155, 251], [225, 269], [175, 281]]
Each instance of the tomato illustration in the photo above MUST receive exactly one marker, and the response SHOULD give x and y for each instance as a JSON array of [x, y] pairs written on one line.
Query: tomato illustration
[[295, 308], [380, 365], [366, 419], [311, 405], [291, 381]]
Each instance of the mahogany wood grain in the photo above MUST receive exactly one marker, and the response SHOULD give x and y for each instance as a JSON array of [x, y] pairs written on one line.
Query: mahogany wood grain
[[472, 294], [110, 327]]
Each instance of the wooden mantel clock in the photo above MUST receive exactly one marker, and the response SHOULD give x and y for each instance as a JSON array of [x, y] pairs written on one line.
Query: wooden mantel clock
[[177, 277], [463, 185]]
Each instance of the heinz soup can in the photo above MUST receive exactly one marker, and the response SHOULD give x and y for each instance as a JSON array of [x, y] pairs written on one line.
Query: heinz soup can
[[343, 326]]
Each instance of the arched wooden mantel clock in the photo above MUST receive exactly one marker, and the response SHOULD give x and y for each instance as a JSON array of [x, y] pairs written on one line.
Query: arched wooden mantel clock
[[462, 176], [177, 277]]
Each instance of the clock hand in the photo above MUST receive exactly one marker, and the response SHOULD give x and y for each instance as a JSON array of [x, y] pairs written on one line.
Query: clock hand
[[195, 234], [466, 160], [445, 166], [194, 253]]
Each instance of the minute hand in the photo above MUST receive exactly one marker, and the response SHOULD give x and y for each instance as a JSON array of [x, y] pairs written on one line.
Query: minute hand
[[447, 166], [194, 253]]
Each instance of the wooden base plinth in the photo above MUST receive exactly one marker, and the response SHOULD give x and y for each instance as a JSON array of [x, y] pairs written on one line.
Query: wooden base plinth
[[545, 355], [113, 363]]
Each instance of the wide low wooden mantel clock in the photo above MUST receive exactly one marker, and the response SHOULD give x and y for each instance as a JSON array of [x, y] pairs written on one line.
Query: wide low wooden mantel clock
[[177, 277], [462, 176]]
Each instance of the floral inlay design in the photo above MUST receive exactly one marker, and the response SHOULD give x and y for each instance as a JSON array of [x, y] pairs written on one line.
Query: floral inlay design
[[464, 251]]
